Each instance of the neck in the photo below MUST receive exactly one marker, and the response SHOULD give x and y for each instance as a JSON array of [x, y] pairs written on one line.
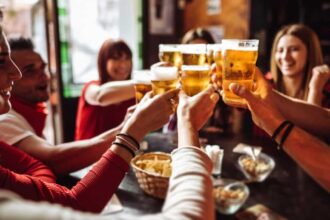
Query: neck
[[292, 86]]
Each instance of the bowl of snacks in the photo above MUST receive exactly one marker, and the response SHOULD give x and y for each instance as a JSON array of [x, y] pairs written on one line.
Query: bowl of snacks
[[153, 171], [256, 169], [230, 197]]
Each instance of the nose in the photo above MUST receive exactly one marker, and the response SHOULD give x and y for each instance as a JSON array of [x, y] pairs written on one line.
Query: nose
[[286, 55]]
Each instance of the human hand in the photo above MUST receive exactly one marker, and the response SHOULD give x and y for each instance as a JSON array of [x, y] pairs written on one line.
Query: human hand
[[260, 88], [150, 114], [264, 112], [197, 109], [320, 76]]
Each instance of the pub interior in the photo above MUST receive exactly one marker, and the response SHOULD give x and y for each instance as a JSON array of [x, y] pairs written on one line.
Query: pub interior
[[247, 82]]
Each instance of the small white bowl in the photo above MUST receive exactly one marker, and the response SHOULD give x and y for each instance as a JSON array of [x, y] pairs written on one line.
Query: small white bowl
[[229, 198], [256, 170]]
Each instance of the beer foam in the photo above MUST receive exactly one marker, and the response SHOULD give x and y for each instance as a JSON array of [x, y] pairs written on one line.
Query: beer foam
[[141, 76], [243, 45], [195, 67], [193, 48], [169, 47], [214, 47], [162, 73]]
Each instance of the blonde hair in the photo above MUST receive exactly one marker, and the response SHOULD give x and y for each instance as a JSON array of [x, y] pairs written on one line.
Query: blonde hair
[[314, 53]]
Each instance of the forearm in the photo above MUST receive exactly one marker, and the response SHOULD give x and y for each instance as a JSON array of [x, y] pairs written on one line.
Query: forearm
[[69, 157], [188, 136], [315, 97], [98, 185], [190, 186], [311, 154], [309, 117], [114, 92]]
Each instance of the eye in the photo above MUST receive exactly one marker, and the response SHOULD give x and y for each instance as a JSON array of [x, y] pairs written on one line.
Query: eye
[[279, 50]]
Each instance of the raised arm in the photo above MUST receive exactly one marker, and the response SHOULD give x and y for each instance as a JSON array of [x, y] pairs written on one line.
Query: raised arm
[[103, 179], [310, 117], [110, 92], [320, 76], [309, 152]]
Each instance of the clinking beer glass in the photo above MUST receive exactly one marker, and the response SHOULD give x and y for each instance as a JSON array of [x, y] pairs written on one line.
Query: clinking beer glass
[[193, 54], [163, 77], [170, 53], [194, 78], [239, 62], [142, 83]]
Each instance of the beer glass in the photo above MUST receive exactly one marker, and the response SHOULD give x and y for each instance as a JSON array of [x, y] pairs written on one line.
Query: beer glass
[[239, 61], [213, 52], [214, 55], [142, 83], [163, 77], [194, 78], [193, 54], [170, 53]]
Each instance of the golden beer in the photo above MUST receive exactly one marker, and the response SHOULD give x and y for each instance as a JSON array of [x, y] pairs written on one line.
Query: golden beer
[[141, 90], [163, 78], [194, 79], [193, 54], [213, 50], [170, 53], [162, 86], [239, 61], [142, 83], [172, 57], [194, 59]]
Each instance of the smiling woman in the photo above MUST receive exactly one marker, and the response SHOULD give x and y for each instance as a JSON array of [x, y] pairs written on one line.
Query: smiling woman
[[8, 74], [295, 65], [103, 103]]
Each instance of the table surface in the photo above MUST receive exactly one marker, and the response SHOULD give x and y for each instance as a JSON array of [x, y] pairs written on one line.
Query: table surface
[[288, 190]]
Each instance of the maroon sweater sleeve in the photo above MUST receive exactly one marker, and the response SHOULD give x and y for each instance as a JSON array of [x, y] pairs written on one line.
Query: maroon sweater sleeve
[[90, 194]]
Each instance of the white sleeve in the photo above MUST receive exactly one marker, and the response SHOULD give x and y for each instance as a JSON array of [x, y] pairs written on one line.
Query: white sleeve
[[14, 127]]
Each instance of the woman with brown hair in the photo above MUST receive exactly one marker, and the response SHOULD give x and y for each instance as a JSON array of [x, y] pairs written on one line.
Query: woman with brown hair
[[103, 103], [297, 66]]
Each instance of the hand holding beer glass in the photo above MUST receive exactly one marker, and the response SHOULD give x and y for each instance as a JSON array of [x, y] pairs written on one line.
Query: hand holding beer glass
[[239, 62], [142, 83]]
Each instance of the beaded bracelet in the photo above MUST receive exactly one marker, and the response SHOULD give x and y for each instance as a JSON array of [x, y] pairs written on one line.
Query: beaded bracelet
[[131, 138], [126, 147], [285, 135]]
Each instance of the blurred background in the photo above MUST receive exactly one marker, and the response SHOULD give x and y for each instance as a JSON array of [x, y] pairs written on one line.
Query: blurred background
[[69, 33]]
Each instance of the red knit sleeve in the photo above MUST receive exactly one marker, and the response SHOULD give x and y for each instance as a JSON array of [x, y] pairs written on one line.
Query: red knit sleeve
[[90, 194], [19, 162]]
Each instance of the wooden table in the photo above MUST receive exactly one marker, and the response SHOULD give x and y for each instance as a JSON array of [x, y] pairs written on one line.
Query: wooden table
[[288, 190]]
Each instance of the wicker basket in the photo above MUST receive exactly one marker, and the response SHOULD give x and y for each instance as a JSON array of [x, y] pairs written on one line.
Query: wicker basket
[[151, 183]]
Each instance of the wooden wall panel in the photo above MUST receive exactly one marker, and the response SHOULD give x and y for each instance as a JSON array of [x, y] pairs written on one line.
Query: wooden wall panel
[[234, 16]]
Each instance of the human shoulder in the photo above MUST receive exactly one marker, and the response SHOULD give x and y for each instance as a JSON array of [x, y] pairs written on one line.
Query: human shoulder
[[14, 127]]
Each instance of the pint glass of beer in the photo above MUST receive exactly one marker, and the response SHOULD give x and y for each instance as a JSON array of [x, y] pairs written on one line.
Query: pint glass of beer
[[213, 51], [193, 54], [239, 62], [170, 53], [195, 78], [163, 77], [142, 83]]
